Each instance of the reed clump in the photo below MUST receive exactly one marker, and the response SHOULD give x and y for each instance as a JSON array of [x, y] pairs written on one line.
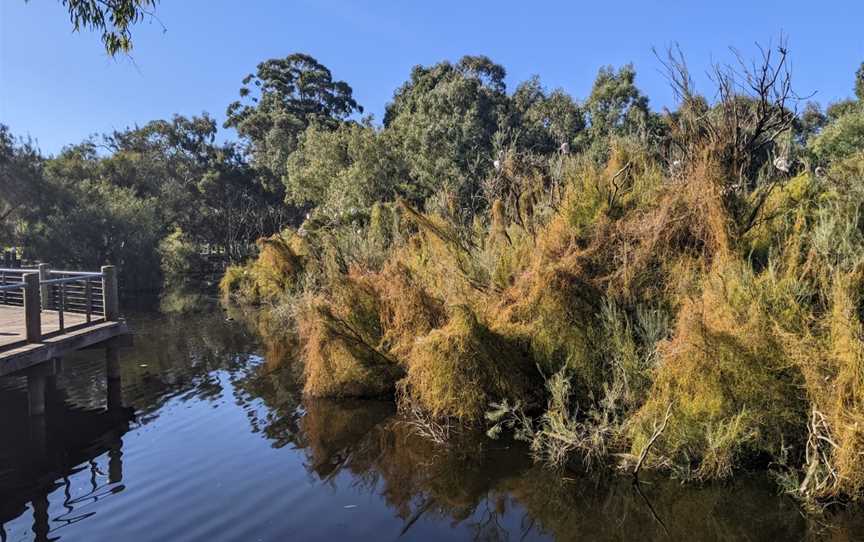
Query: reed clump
[[695, 307], [341, 336], [275, 272], [458, 370]]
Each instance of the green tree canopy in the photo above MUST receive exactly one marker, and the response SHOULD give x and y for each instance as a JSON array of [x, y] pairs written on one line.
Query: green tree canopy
[[337, 170], [843, 132], [544, 120], [443, 120], [204, 188], [841, 138], [616, 106], [22, 188], [841, 108], [280, 100], [810, 121], [162, 155], [113, 200]]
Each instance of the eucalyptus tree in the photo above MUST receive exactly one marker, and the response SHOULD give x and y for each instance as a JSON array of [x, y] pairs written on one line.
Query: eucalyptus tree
[[616, 106], [443, 120], [113, 19], [113, 199], [809, 122], [280, 100], [90, 220], [349, 168], [204, 188], [544, 122], [843, 136]]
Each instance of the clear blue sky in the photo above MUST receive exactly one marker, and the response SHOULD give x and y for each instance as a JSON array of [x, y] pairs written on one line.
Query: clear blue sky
[[58, 87]]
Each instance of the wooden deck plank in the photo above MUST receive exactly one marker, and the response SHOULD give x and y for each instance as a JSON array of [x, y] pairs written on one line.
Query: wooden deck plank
[[16, 355], [12, 323]]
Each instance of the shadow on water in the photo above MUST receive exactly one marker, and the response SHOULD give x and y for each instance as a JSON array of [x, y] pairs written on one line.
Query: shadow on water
[[485, 485], [41, 453], [228, 390]]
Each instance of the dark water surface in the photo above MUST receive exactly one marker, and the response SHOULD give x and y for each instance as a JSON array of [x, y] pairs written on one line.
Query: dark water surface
[[220, 447]]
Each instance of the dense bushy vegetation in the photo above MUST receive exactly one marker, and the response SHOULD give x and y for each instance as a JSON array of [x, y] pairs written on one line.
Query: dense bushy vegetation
[[679, 290]]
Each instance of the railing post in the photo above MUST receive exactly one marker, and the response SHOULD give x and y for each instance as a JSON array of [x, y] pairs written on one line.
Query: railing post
[[110, 300], [62, 308], [32, 308], [44, 273], [88, 299]]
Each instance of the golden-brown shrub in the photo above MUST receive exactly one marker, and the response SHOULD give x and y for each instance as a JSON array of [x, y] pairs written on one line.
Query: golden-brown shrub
[[458, 370], [764, 286], [356, 339], [274, 272], [731, 387], [338, 358]]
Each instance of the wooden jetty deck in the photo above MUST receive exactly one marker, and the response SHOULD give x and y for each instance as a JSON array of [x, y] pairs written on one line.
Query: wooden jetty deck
[[13, 329], [45, 314]]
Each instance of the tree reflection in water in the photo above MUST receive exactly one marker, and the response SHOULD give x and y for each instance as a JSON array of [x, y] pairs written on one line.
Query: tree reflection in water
[[495, 489], [490, 490]]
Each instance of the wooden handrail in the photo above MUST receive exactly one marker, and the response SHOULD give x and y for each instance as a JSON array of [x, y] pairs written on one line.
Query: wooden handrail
[[81, 273], [82, 292], [19, 286], [81, 278]]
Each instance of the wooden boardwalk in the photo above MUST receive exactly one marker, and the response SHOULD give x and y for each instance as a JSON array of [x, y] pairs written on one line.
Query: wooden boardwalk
[[46, 314], [13, 330], [17, 355]]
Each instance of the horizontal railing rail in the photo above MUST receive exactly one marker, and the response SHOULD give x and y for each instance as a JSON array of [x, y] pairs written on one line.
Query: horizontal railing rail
[[92, 294], [77, 273], [12, 286], [75, 293], [80, 278]]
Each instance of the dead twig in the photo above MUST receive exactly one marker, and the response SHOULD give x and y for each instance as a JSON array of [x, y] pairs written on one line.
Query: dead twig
[[614, 182], [657, 432]]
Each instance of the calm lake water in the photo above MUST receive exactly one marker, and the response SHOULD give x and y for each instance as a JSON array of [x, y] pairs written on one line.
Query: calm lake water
[[214, 443]]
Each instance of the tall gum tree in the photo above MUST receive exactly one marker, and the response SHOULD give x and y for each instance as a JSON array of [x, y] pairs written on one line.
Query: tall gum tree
[[443, 120], [279, 101]]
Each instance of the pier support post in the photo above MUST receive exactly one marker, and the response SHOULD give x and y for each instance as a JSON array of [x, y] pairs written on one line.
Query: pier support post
[[41, 517], [115, 461], [32, 308], [38, 421], [110, 299], [44, 294], [36, 387], [112, 372], [52, 393]]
